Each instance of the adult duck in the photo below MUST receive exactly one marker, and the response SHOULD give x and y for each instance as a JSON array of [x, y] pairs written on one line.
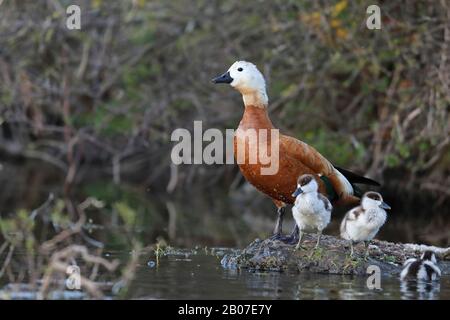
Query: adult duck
[[295, 158]]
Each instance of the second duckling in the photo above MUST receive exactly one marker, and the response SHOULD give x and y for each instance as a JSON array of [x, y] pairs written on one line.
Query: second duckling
[[312, 210], [425, 268], [363, 222]]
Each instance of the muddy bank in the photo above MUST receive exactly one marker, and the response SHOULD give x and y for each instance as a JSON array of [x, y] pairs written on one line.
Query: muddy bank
[[331, 258]]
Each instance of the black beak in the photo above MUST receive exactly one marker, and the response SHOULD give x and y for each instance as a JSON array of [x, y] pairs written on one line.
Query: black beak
[[385, 206], [297, 192], [224, 78]]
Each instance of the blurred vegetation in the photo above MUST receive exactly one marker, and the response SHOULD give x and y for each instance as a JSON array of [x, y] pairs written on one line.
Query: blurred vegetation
[[108, 96], [102, 102], [38, 249]]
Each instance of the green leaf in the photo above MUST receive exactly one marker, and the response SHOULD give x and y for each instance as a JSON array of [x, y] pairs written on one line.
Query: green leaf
[[127, 214]]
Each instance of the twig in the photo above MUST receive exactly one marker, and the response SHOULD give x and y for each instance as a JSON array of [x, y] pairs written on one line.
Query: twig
[[44, 207], [7, 260]]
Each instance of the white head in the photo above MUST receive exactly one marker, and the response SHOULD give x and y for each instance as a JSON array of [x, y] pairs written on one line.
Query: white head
[[372, 200], [429, 255], [246, 78], [305, 184]]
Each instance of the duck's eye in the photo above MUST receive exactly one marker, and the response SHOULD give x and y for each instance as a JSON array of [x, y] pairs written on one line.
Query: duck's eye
[[240, 69]]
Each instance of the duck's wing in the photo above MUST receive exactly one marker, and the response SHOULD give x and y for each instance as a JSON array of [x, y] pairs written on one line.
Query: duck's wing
[[317, 163], [410, 260], [433, 267], [354, 214], [343, 227], [306, 154], [326, 202]]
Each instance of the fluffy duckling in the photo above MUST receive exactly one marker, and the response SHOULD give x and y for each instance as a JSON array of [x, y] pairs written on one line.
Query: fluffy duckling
[[424, 268], [312, 210], [363, 222]]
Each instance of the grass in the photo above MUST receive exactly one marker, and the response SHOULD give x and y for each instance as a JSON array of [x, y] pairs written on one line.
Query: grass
[[316, 254]]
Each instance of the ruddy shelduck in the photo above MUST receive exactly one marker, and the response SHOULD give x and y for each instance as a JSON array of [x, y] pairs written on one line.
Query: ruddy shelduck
[[295, 157]]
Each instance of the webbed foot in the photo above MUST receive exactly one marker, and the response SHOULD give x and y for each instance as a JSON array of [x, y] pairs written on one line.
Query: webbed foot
[[290, 239], [283, 238]]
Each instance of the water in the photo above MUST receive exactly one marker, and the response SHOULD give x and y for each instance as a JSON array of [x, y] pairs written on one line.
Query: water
[[200, 276], [214, 217]]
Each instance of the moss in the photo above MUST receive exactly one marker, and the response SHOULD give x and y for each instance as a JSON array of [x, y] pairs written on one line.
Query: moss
[[331, 257], [316, 254], [390, 259]]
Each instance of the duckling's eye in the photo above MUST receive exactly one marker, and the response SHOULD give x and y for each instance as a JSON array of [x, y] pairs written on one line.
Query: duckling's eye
[[240, 69]]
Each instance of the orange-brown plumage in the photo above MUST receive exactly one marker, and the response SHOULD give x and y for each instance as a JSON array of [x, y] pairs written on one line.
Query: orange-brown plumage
[[295, 158]]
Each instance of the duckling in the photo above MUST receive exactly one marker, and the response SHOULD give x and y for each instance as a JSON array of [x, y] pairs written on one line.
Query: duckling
[[363, 222], [424, 268], [312, 210]]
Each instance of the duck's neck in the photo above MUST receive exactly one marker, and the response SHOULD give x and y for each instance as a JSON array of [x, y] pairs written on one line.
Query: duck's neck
[[255, 117], [256, 98], [255, 114]]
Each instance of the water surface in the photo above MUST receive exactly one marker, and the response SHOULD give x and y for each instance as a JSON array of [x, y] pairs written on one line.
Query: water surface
[[201, 276], [212, 216]]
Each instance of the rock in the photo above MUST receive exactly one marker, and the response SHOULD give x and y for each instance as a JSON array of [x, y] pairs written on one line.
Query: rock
[[332, 257]]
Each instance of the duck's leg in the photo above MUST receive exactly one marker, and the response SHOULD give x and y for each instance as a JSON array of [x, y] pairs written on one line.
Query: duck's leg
[[319, 234], [367, 244], [351, 248], [290, 239], [300, 236], [279, 225], [316, 247], [278, 232], [281, 210]]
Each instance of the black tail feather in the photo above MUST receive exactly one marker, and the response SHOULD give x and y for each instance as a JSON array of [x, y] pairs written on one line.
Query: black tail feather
[[355, 178]]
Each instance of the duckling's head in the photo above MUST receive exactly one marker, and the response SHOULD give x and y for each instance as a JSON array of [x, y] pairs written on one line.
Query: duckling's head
[[248, 80], [429, 255], [306, 183], [373, 199]]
